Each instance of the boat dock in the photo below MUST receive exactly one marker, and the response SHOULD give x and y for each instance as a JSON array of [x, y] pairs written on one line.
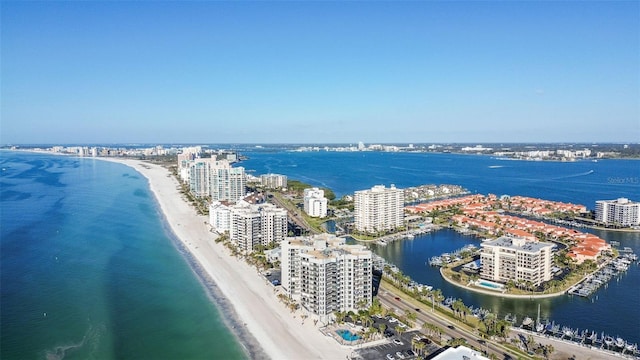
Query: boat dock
[[614, 268]]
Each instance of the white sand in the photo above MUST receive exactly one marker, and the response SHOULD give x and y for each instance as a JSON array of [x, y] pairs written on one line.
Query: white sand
[[280, 335]]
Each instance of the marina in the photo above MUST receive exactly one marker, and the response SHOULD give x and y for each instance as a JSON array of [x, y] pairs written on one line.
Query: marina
[[582, 337], [614, 268], [457, 255]]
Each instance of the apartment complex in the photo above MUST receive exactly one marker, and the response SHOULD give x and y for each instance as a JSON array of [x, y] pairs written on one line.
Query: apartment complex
[[251, 225], [199, 177], [227, 183], [516, 259], [219, 217], [379, 209], [315, 204], [326, 275], [273, 181], [620, 212], [211, 177]]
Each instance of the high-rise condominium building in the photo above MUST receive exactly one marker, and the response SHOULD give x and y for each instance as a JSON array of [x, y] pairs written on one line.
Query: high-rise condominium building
[[379, 209], [621, 211], [326, 275], [227, 183], [516, 259], [315, 204], [199, 177], [273, 181], [251, 225]]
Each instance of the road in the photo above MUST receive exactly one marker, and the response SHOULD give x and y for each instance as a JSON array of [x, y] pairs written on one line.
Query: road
[[293, 213], [425, 315]]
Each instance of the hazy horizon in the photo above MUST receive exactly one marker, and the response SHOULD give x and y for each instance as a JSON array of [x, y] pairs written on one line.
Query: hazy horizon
[[320, 72]]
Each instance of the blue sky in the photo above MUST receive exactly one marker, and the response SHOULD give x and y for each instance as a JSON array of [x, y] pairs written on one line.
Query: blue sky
[[300, 72]]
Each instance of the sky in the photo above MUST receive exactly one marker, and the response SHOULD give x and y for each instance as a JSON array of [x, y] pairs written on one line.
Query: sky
[[319, 72]]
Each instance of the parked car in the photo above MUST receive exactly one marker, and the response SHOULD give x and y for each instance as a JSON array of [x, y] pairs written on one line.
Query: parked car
[[410, 352], [390, 357], [399, 355], [398, 342]]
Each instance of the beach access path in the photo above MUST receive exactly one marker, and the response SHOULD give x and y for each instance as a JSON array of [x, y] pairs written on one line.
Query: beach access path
[[279, 333]]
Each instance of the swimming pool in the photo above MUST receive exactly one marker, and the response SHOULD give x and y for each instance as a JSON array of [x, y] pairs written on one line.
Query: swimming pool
[[490, 285], [347, 335]]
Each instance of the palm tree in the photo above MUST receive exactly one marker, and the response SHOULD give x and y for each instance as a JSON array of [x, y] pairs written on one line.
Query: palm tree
[[399, 329], [420, 347], [411, 316], [382, 328], [548, 350]]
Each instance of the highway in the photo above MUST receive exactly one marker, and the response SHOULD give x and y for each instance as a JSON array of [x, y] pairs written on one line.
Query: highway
[[388, 299]]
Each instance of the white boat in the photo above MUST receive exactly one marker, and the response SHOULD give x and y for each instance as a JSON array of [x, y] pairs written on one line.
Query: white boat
[[539, 327], [567, 332], [620, 342], [630, 347], [608, 340]]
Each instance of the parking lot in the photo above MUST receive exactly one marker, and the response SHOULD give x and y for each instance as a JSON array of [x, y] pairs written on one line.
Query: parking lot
[[397, 346], [394, 350]]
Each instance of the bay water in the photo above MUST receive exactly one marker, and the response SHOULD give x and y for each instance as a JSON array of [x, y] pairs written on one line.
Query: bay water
[[614, 310]]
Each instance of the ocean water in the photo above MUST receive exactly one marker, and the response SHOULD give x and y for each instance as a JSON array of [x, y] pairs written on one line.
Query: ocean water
[[614, 309], [89, 270]]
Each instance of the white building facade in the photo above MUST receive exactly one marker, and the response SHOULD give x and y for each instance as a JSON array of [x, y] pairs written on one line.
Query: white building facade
[[227, 183], [315, 204], [326, 275], [200, 177], [219, 217], [379, 209], [516, 259], [621, 212], [251, 225], [273, 181]]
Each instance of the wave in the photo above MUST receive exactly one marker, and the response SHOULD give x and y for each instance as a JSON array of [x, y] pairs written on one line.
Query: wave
[[495, 166], [90, 340], [574, 175]]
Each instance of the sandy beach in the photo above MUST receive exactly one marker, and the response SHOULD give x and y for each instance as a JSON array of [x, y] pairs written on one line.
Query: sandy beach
[[280, 334]]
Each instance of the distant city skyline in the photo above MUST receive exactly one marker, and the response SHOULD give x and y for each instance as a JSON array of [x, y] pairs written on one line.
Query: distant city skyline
[[319, 72]]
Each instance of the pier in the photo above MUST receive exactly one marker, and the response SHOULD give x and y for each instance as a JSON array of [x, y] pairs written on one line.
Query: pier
[[602, 276]]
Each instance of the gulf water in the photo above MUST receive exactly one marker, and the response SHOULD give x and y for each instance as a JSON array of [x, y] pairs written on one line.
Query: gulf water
[[89, 269], [614, 309]]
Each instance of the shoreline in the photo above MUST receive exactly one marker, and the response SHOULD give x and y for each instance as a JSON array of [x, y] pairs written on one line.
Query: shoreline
[[500, 294], [253, 308]]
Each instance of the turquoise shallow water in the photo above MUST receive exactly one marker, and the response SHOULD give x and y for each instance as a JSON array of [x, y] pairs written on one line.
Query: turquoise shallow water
[[89, 271]]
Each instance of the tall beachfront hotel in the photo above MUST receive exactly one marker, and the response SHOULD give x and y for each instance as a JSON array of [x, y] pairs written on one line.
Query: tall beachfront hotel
[[379, 209], [325, 275], [517, 259], [620, 212]]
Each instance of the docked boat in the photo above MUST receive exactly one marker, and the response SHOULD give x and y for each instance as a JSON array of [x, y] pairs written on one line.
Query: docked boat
[[620, 342], [608, 340], [539, 327]]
